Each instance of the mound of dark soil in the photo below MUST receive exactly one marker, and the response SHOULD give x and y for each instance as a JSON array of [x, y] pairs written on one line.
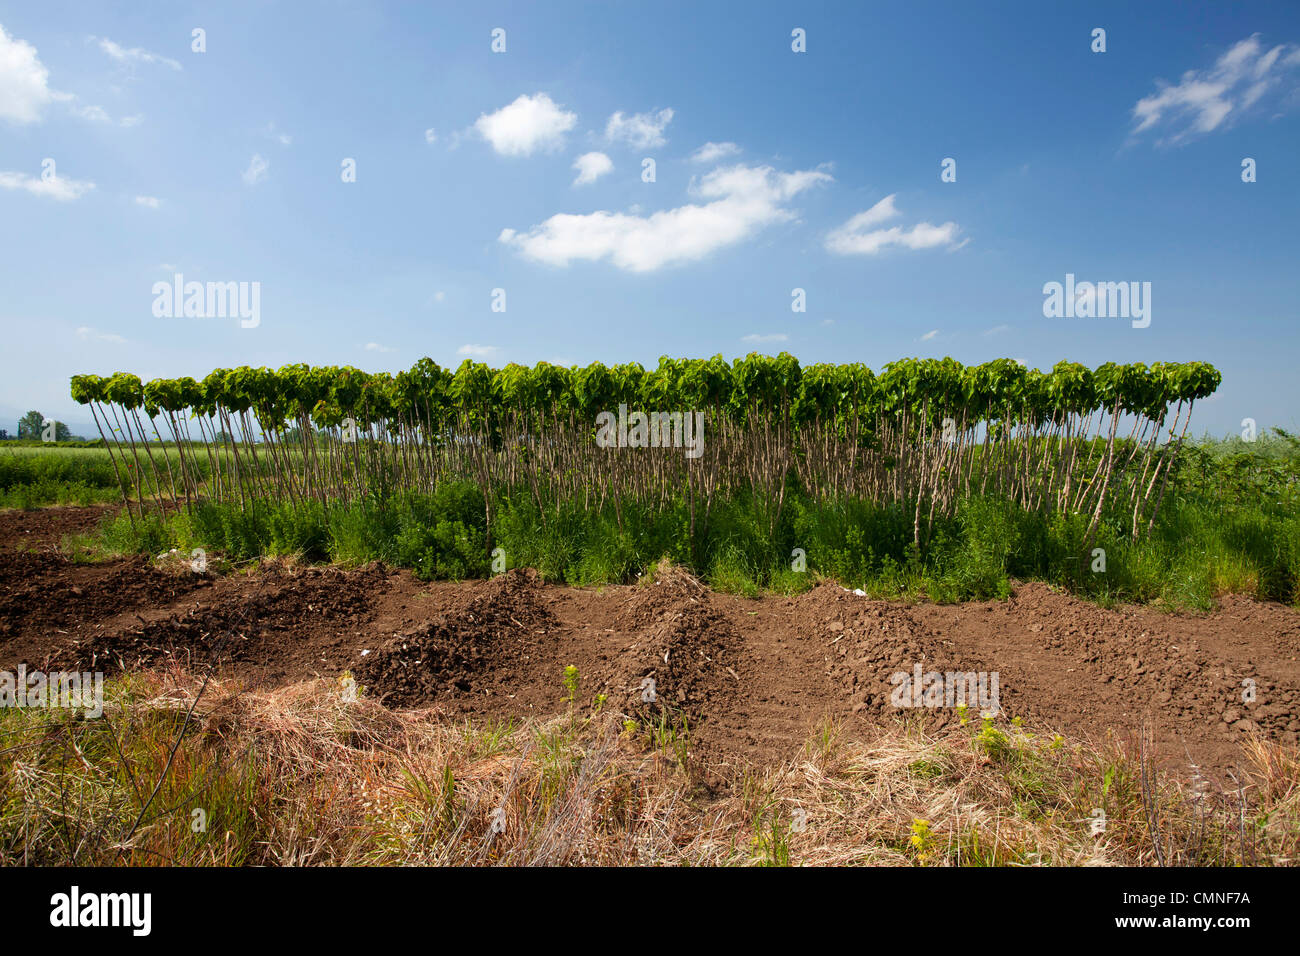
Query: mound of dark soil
[[484, 633], [44, 587], [754, 677], [272, 619], [684, 651]]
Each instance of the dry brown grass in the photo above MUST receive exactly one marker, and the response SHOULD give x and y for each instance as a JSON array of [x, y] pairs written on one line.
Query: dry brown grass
[[306, 775]]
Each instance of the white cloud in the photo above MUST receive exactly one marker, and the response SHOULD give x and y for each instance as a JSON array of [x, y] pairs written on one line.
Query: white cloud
[[929, 335], [1206, 100], [134, 55], [25, 89], [859, 236], [775, 337], [477, 351], [55, 187], [96, 114], [439, 296], [256, 171], [24, 81], [997, 330], [528, 124], [590, 167], [88, 334], [712, 152], [153, 202], [430, 136], [284, 139], [738, 202], [376, 347], [640, 130]]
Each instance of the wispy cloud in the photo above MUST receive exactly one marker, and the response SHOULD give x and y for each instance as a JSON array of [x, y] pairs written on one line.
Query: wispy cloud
[[1207, 100], [89, 334], [134, 55], [738, 201], [712, 152], [151, 202], [477, 351], [257, 170], [52, 187], [376, 347], [640, 130], [859, 236], [281, 137], [929, 335], [757, 339]]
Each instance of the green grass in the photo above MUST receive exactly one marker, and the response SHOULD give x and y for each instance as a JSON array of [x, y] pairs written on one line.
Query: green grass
[[30, 464], [1195, 552], [1230, 522]]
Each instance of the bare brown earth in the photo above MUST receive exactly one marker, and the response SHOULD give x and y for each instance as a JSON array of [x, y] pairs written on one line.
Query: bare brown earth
[[751, 677]]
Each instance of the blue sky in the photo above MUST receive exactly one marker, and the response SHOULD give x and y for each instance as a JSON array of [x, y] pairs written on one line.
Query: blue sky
[[225, 165]]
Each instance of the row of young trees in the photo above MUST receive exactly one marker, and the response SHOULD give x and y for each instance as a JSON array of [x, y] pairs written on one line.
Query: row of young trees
[[923, 433]]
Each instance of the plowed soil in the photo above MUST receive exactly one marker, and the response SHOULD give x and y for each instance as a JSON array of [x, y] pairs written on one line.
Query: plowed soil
[[752, 677]]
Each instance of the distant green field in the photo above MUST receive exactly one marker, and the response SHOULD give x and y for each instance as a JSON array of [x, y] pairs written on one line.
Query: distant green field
[[34, 474]]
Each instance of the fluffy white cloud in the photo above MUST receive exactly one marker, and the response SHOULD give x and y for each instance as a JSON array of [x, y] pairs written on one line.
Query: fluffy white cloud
[[590, 167], [134, 55], [431, 136], [758, 339], [24, 81], [477, 351], [55, 187], [712, 152], [528, 124], [256, 171], [640, 130], [737, 202], [25, 87], [1206, 100], [859, 236], [152, 202]]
